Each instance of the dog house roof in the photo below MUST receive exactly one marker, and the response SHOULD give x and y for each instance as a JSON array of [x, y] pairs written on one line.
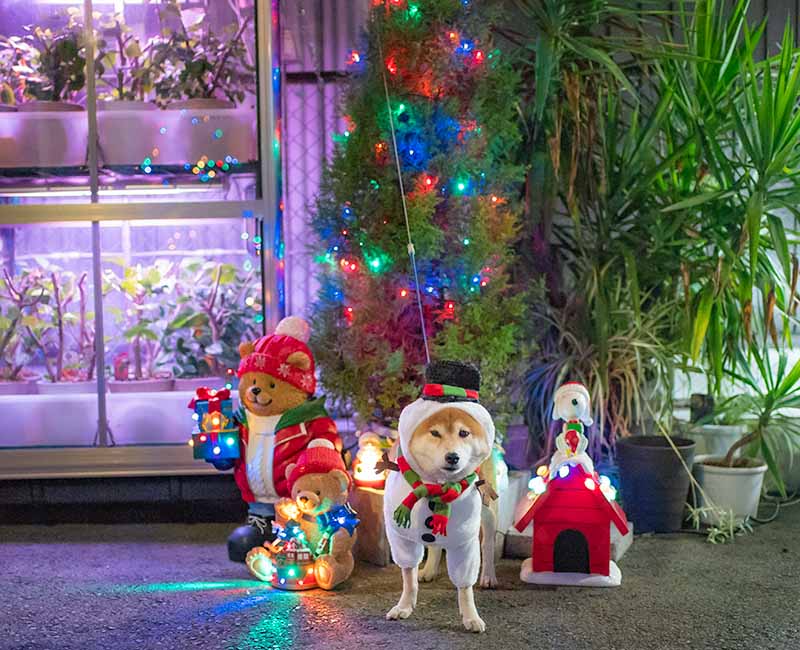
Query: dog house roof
[[574, 496]]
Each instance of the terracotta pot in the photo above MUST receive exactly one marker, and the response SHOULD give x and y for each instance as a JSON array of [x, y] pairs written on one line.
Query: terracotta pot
[[44, 387], [200, 104], [141, 385], [41, 106]]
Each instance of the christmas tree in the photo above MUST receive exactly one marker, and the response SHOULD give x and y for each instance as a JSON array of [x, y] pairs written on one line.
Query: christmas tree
[[430, 81]]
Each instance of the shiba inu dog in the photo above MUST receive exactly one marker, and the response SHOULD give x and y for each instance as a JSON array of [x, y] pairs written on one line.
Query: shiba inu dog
[[432, 501]]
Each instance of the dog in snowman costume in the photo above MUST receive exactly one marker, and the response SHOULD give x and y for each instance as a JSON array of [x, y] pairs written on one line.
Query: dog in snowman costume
[[433, 499]]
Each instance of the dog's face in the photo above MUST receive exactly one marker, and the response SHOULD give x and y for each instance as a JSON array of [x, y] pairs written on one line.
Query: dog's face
[[448, 446]]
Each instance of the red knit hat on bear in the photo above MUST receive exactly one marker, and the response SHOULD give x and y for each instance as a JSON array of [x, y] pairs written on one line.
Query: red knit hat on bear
[[272, 352], [320, 457]]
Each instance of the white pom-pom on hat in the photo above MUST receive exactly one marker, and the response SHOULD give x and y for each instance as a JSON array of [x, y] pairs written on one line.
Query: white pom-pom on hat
[[295, 327], [321, 442]]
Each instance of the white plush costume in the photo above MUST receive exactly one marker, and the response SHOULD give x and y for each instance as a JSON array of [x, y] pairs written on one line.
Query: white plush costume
[[571, 404], [461, 542]]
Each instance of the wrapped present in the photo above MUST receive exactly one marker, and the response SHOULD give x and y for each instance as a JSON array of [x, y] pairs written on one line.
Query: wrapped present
[[216, 434]]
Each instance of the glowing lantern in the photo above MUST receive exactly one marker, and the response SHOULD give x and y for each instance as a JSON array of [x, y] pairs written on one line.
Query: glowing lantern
[[370, 451]]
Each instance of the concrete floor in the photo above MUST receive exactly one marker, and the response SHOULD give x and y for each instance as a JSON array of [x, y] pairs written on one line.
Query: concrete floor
[[171, 586]]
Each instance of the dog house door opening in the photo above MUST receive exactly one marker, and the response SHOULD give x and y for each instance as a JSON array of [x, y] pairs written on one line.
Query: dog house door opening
[[571, 552]]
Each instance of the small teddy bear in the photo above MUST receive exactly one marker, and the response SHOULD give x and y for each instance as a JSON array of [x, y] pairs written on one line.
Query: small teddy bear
[[277, 420], [320, 486]]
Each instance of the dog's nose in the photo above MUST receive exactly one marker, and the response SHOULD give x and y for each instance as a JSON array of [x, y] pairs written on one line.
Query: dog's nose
[[574, 402], [255, 390], [451, 458]]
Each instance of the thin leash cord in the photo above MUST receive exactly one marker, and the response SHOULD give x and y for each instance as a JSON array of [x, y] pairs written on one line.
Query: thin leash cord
[[411, 252]]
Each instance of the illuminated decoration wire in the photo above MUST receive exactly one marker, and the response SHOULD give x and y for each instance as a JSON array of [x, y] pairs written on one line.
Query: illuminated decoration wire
[[411, 252]]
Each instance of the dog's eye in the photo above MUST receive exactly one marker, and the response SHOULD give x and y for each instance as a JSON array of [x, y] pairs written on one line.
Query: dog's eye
[[272, 385], [463, 433], [254, 382], [435, 433]]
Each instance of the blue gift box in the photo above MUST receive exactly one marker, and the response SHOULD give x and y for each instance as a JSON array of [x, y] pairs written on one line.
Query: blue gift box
[[216, 434]]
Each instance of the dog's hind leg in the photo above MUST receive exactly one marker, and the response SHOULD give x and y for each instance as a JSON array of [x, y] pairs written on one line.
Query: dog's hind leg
[[408, 599], [430, 569], [488, 536]]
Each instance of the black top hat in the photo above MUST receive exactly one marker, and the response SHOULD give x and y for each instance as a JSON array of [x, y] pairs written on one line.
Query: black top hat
[[456, 374]]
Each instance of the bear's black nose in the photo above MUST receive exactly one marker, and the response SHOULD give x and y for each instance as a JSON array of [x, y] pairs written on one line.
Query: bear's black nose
[[303, 499], [451, 458], [255, 390]]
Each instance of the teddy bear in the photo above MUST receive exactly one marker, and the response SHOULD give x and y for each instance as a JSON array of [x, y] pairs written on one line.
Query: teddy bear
[[320, 486], [277, 419]]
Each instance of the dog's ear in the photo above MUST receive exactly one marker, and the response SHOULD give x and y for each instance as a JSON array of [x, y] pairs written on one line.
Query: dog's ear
[[246, 348], [299, 360]]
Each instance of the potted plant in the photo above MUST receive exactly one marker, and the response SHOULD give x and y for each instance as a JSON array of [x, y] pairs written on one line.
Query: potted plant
[[52, 66], [19, 296], [124, 67], [733, 482], [200, 68], [214, 312], [141, 319], [63, 337], [9, 56], [716, 432]]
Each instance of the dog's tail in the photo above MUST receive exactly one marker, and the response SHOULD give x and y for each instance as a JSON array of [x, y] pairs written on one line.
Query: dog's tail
[[488, 473]]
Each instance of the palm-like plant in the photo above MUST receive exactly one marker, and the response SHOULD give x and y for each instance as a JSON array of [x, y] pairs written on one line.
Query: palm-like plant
[[772, 389]]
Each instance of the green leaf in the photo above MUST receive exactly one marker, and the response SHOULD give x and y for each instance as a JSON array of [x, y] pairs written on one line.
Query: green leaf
[[701, 320], [774, 470], [780, 245]]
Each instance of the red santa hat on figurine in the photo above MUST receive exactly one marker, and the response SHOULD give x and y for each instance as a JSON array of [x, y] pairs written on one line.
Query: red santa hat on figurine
[[320, 457], [271, 355]]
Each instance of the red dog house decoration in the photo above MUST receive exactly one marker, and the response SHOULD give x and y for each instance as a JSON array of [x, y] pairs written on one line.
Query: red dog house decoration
[[572, 522]]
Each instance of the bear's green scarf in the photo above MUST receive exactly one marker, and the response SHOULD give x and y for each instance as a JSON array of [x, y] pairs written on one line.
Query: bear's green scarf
[[441, 496]]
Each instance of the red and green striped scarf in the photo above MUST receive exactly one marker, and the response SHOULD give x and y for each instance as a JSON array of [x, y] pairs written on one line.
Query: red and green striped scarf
[[441, 496]]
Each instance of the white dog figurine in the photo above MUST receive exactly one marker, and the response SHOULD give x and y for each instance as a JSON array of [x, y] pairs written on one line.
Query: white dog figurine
[[571, 404], [433, 500]]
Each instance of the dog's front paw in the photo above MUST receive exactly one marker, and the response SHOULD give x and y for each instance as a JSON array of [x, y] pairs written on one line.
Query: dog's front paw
[[488, 581], [474, 623], [399, 612]]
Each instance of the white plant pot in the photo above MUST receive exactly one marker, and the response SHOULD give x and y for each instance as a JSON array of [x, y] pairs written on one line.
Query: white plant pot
[[175, 137], [125, 105], [41, 106], [141, 385], [200, 104], [44, 387], [17, 387], [193, 383], [716, 439], [43, 136], [737, 489]]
